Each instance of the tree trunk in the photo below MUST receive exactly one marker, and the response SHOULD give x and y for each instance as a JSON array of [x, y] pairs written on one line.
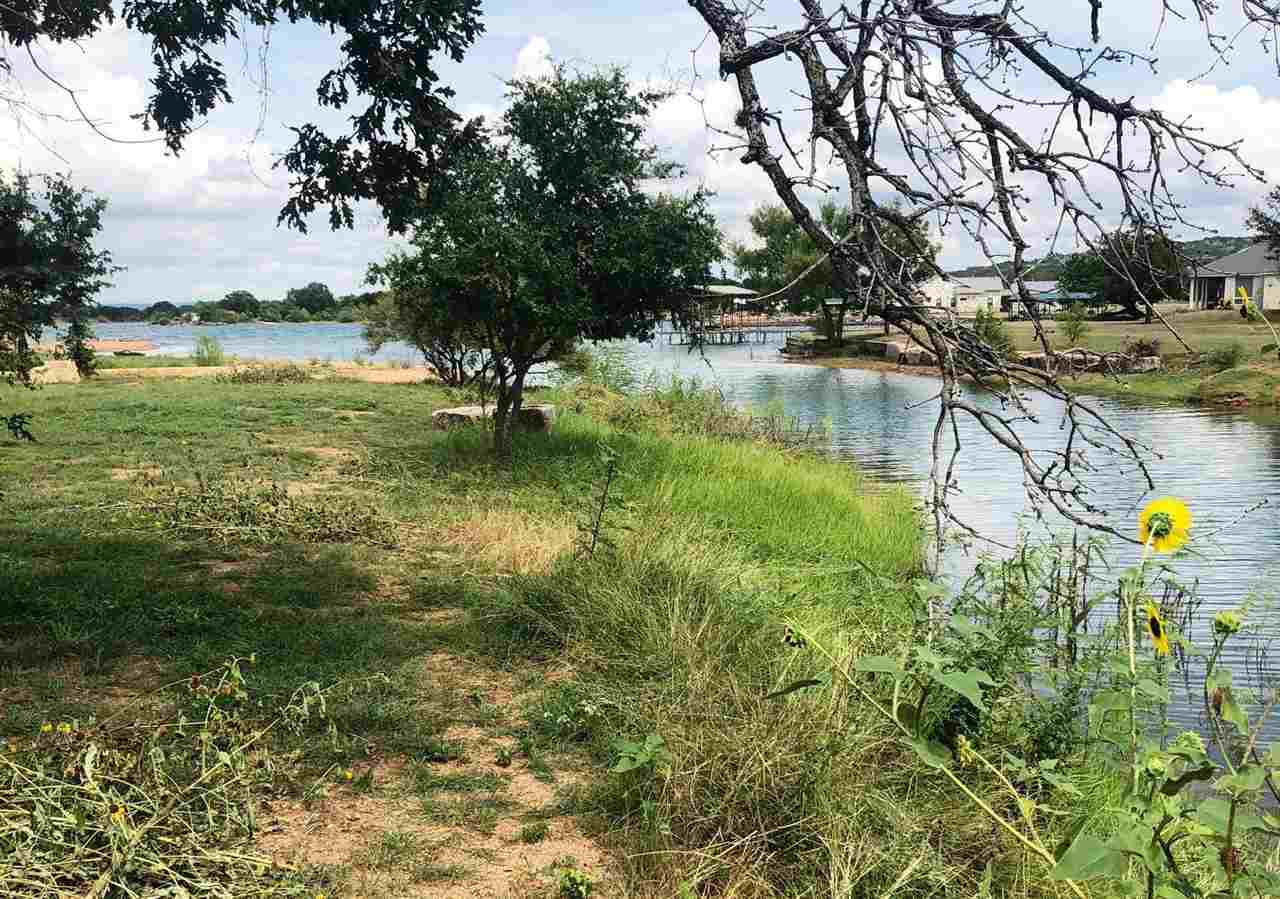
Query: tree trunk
[[506, 414]]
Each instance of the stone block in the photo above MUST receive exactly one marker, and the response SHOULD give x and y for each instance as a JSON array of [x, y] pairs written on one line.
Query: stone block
[[537, 417], [59, 371]]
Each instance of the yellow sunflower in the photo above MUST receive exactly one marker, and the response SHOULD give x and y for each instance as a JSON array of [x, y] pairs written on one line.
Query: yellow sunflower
[[1155, 627], [1164, 523]]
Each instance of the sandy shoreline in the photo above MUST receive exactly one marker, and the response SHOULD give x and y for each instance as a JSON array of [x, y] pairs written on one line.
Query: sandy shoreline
[[369, 373]]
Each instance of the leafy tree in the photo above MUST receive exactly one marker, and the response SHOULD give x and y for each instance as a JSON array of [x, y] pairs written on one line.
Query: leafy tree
[[1125, 267], [294, 314], [49, 269], [549, 235], [162, 309], [453, 348], [784, 251], [315, 298], [1264, 222], [398, 145], [242, 303]]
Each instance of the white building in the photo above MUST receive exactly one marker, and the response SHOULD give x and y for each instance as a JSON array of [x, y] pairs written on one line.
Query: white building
[[1254, 268], [966, 295]]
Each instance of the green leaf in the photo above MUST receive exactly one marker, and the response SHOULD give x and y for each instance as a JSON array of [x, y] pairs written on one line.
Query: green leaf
[[932, 753], [625, 764], [1086, 858], [878, 664], [928, 657], [966, 628], [1232, 712], [967, 683], [1243, 781], [1111, 701], [1149, 688], [1174, 787], [1213, 814]]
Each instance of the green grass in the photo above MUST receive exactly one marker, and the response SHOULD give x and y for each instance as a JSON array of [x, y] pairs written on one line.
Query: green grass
[[105, 360], [674, 626]]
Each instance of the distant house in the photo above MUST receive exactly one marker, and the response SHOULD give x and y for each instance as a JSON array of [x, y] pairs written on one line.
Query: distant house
[[966, 295], [1253, 268], [727, 296]]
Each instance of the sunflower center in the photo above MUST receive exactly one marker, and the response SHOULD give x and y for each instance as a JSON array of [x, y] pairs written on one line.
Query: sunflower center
[[1161, 525]]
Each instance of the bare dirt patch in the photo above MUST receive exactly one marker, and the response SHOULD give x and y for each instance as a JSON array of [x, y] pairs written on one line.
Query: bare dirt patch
[[407, 840]]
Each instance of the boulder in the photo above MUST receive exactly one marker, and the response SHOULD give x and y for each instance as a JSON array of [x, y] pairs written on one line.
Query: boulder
[[1147, 363], [537, 417], [59, 371]]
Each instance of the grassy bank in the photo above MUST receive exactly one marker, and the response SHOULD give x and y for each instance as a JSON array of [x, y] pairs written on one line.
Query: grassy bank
[[146, 541]]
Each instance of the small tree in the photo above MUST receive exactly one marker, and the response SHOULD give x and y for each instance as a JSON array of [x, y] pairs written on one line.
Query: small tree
[[453, 350], [549, 236], [49, 270]]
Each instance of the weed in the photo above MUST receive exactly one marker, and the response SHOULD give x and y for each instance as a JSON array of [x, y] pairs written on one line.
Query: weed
[[480, 814], [504, 757], [535, 833], [274, 373], [431, 872], [1226, 357], [389, 850], [221, 510], [120, 808], [439, 751], [208, 352], [1141, 346], [427, 781], [572, 883]]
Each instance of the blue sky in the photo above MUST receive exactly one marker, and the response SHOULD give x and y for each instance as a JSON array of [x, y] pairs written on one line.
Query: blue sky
[[203, 224]]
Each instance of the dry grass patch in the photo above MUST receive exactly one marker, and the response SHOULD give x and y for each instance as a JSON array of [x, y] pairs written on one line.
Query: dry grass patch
[[511, 541]]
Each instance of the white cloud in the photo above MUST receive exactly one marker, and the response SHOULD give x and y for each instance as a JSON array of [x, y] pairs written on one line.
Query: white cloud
[[534, 59]]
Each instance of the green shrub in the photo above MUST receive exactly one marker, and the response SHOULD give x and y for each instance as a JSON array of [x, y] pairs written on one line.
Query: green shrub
[[1225, 357], [1073, 323], [994, 332], [208, 351]]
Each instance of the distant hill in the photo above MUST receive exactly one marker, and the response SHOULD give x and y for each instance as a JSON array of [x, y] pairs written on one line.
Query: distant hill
[[1049, 268]]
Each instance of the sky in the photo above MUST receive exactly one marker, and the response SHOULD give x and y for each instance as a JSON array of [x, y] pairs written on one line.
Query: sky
[[199, 225]]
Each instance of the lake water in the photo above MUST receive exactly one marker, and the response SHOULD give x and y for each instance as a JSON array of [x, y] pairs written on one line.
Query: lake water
[[326, 341], [1220, 462]]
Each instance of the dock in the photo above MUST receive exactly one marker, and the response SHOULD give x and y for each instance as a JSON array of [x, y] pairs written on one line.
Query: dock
[[731, 336]]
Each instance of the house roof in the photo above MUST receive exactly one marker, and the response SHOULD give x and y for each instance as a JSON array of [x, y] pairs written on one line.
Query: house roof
[[1253, 260], [728, 290], [990, 284]]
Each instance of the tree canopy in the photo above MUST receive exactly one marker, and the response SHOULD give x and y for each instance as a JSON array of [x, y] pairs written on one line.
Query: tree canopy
[[1129, 270], [551, 233], [241, 302], [397, 144], [49, 268], [315, 298], [1264, 222], [785, 251]]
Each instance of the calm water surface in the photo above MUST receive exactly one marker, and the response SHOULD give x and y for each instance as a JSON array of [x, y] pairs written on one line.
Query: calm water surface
[[1220, 461]]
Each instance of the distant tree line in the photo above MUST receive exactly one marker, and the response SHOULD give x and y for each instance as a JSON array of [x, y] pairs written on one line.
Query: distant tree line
[[314, 302]]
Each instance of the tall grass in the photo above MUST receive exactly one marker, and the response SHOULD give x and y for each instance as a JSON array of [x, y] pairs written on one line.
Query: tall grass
[[208, 351]]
